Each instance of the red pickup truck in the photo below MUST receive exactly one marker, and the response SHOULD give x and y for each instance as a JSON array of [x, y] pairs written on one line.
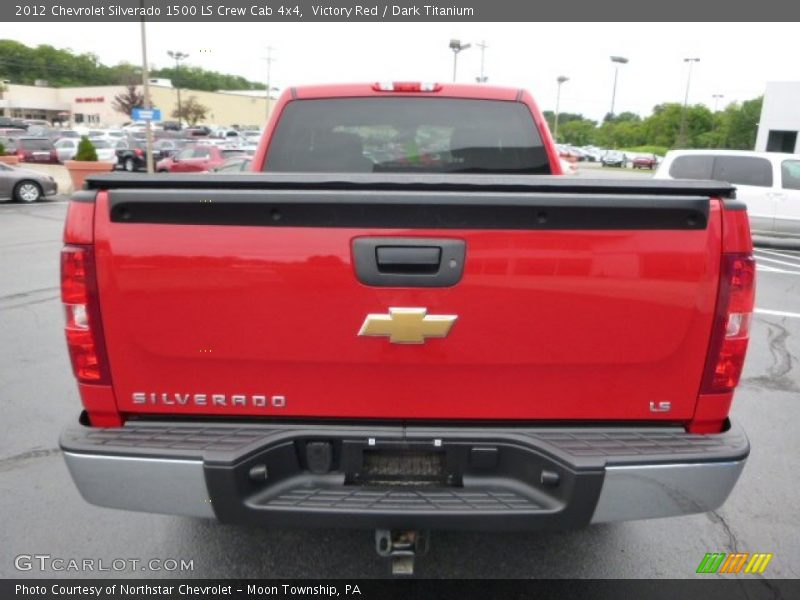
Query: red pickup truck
[[405, 319]]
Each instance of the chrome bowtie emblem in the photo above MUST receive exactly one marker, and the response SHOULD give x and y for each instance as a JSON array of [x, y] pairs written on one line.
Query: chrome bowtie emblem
[[407, 325]]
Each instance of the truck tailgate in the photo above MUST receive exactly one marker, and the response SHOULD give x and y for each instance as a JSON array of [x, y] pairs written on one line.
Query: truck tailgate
[[575, 304]]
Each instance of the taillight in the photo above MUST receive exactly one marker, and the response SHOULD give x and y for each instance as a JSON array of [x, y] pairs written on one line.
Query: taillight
[[138, 152], [731, 331], [83, 329], [406, 86], [21, 155]]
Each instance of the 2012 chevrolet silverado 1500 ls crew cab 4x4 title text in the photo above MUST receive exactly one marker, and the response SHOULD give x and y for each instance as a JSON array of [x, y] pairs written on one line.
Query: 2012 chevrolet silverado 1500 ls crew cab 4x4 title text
[[406, 320]]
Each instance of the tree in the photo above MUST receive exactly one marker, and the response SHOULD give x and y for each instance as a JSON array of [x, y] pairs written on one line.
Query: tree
[[86, 150], [742, 125], [127, 101], [196, 78], [62, 67], [623, 117], [125, 73], [191, 111], [577, 132]]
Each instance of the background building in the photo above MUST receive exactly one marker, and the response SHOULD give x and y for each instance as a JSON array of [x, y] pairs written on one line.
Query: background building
[[779, 128], [94, 105]]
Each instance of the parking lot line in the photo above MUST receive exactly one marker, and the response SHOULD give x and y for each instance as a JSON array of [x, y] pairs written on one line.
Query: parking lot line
[[18, 205], [777, 313], [769, 269], [773, 253], [780, 262]]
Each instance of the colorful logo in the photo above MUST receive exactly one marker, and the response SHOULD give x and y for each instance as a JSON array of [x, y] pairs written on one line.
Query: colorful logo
[[738, 562]]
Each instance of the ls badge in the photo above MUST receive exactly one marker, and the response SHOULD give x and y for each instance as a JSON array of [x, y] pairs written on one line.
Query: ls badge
[[407, 325]]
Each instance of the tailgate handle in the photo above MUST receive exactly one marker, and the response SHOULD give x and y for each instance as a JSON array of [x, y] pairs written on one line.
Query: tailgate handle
[[408, 259], [409, 262]]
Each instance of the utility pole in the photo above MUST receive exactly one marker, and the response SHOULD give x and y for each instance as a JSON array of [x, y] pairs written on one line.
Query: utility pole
[[561, 79], [682, 132], [269, 60], [178, 56], [147, 103], [482, 79], [717, 98]]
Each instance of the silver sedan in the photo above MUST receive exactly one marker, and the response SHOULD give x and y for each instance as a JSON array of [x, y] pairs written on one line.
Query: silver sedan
[[25, 185]]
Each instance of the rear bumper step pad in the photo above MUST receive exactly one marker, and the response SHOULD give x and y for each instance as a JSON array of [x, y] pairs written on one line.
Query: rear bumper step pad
[[493, 478]]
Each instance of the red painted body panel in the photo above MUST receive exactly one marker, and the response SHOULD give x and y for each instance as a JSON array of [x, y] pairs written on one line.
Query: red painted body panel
[[552, 324], [79, 224]]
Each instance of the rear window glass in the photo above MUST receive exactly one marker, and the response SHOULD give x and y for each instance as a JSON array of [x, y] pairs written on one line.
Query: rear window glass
[[235, 164], [34, 144], [743, 170], [397, 135], [790, 174], [692, 167], [101, 144]]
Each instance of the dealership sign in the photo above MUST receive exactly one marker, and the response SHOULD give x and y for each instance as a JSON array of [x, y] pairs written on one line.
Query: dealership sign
[[146, 114]]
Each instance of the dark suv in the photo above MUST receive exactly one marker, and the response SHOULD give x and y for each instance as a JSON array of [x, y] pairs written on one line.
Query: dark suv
[[33, 149]]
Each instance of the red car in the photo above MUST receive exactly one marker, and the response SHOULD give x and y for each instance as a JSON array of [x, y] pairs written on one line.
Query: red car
[[196, 159], [388, 327], [645, 161], [34, 149]]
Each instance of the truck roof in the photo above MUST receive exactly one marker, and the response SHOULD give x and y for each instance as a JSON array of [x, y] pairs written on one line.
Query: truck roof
[[449, 90]]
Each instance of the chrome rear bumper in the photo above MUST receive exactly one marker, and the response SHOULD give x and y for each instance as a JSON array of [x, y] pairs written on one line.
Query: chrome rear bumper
[[601, 475]]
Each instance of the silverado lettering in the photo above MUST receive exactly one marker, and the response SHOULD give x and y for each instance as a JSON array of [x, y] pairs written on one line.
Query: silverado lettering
[[471, 340], [232, 400]]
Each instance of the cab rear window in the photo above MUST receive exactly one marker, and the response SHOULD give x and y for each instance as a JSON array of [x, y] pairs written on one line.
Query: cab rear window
[[694, 166], [35, 144], [738, 170], [397, 135], [743, 170]]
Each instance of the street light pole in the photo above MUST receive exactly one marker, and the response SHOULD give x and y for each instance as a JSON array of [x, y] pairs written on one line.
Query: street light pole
[[682, 132], [561, 79], [178, 56], [617, 60], [456, 46], [269, 60], [717, 98], [147, 103]]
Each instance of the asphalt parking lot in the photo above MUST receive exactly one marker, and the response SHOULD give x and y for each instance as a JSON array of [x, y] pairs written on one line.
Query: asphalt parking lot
[[42, 513]]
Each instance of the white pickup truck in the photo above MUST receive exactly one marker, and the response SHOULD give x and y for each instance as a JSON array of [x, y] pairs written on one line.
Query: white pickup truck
[[768, 182]]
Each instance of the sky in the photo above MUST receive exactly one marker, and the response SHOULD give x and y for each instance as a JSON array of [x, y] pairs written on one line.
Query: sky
[[736, 59]]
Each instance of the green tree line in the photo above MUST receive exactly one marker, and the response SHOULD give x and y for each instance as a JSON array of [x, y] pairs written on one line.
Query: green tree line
[[62, 68], [734, 127]]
